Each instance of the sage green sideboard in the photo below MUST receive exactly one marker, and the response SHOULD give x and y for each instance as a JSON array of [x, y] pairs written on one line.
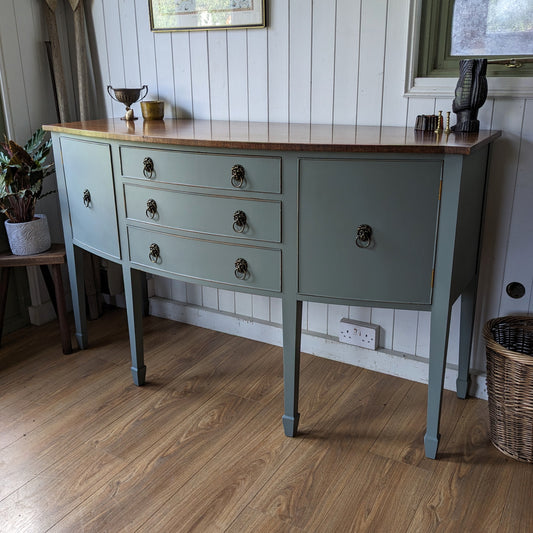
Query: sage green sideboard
[[363, 216]]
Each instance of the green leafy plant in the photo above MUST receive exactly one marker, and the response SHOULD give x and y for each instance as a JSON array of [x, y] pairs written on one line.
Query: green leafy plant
[[22, 171]]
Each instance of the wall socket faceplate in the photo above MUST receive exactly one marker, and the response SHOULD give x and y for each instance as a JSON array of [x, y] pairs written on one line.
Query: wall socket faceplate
[[359, 333]]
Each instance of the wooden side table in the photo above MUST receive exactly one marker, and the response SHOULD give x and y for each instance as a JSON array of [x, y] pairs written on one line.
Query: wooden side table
[[54, 257]]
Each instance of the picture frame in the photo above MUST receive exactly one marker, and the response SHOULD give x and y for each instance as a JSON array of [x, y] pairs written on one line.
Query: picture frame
[[187, 15]]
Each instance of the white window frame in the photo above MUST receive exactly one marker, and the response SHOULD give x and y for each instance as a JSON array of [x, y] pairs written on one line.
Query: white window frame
[[514, 87]]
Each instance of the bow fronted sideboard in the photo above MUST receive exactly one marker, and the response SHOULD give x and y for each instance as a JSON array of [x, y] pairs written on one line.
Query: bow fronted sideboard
[[367, 216]]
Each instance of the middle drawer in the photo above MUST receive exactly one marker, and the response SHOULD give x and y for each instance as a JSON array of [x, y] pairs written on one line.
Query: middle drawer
[[204, 213]]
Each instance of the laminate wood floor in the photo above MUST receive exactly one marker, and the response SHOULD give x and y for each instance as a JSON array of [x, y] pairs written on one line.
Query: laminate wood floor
[[201, 446]]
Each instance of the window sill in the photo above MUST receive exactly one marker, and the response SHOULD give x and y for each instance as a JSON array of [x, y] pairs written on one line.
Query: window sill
[[445, 87]]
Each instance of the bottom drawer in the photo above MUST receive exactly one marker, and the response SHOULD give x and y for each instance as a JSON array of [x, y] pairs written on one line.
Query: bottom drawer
[[206, 260]]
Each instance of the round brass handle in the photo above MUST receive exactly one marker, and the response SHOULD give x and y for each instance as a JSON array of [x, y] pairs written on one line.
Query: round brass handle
[[151, 208], [239, 221], [364, 236], [241, 269], [154, 254], [86, 198], [237, 176], [148, 167]]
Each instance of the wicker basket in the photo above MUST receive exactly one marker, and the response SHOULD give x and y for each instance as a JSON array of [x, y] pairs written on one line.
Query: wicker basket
[[509, 342]]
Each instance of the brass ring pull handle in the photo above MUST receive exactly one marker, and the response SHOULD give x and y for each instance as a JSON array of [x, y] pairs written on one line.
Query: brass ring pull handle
[[148, 167], [241, 268], [86, 198], [151, 208], [364, 236], [239, 221], [237, 176], [154, 253]]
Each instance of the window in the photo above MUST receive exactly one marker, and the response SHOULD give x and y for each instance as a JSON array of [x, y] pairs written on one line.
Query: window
[[495, 29]]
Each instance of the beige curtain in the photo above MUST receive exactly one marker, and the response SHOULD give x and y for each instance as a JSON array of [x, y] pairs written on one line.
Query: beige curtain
[[92, 264]]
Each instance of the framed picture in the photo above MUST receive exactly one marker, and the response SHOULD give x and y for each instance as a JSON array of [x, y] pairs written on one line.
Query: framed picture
[[176, 15]]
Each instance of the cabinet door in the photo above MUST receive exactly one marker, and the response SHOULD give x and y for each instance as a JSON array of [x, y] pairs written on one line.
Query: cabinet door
[[91, 195], [398, 200]]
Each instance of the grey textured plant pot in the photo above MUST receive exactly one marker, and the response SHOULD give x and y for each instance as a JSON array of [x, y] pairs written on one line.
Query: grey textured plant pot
[[27, 238]]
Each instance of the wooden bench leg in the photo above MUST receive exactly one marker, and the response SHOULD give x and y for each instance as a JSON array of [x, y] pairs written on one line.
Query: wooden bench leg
[[4, 282], [61, 309]]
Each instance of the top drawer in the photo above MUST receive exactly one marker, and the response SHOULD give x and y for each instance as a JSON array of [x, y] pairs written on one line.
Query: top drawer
[[200, 169]]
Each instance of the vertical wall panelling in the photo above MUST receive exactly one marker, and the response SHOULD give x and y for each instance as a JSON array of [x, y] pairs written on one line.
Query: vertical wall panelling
[[210, 297], [182, 107], [300, 61], [507, 116], [346, 61], [178, 290], [317, 317], [396, 42], [218, 74], [520, 250], [238, 74], [146, 49], [35, 64], [226, 301], [114, 51], [257, 75], [278, 61], [194, 294], [385, 319], [275, 311], [98, 43], [371, 61], [335, 313], [323, 62], [164, 64], [200, 74], [422, 334], [130, 43], [363, 314], [261, 307], [419, 106], [405, 326], [14, 89], [162, 287], [243, 304]]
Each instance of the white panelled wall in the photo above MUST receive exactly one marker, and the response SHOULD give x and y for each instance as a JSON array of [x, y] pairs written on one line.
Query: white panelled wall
[[325, 61]]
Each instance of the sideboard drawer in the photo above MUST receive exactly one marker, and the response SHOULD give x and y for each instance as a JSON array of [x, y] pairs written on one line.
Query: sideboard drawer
[[91, 194], [398, 200], [206, 260], [261, 174], [257, 219]]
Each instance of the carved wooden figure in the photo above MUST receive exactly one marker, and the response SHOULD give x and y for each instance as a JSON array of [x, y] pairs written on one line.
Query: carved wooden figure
[[470, 94]]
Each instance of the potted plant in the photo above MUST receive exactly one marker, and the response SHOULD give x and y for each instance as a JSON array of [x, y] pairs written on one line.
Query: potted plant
[[22, 171]]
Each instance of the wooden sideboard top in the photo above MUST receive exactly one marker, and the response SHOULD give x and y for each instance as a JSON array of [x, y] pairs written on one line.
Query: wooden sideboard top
[[279, 136]]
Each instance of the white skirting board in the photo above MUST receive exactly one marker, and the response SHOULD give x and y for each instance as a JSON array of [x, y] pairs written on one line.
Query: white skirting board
[[385, 361]]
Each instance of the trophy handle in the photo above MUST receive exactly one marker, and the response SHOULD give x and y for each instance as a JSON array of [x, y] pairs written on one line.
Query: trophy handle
[[145, 87], [109, 93]]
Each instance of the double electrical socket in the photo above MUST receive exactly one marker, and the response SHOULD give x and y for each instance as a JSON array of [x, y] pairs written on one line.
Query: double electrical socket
[[359, 333]]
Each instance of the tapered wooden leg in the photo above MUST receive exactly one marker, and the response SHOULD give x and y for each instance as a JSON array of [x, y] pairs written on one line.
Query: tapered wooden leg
[[292, 330], [77, 290], [438, 347], [468, 302], [133, 290], [61, 309], [4, 284]]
